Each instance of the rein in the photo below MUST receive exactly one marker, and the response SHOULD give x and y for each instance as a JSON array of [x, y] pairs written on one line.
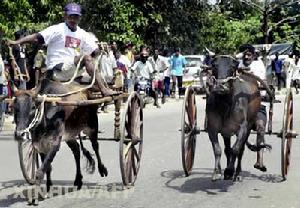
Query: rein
[[39, 112], [74, 76], [38, 116]]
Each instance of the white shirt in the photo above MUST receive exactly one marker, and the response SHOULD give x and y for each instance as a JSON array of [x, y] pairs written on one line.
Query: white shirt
[[107, 65], [143, 69], [161, 65], [125, 60], [63, 45], [295, 70], [257, 67]]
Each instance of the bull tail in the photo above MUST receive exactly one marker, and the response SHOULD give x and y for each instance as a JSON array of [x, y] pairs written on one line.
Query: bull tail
[[257, 148], [90, 162]]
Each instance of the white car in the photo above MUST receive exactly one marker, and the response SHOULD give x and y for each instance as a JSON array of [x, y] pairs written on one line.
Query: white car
[[192, 72]]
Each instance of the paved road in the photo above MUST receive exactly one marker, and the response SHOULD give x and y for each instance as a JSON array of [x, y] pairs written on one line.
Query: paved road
[[161, 182]]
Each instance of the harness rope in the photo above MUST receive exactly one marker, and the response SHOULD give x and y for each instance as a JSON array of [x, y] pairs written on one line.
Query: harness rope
[[39, 112], [74, 76], [38, 116], [75, 73]]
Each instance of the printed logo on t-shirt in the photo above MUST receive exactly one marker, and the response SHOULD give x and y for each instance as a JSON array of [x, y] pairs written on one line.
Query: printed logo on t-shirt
[[72, 42]]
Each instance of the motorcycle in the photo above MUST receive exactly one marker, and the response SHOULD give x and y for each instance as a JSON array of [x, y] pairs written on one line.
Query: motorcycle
[[144, 88]]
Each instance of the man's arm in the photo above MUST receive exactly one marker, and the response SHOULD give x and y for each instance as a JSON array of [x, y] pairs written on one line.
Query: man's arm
[[27, 39]]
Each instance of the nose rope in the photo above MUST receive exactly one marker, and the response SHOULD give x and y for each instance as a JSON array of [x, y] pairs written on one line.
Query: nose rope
[[222, 81], [39, 113]]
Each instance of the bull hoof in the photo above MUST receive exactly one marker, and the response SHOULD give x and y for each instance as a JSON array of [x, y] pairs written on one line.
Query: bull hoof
[[78, 182], [49, 184], [238, 178], [103, 171], [216, 177], [260, 167], [228, 174]]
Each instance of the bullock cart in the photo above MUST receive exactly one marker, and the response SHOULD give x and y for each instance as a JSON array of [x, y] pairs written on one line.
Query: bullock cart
[[190, 129], [128, 131]]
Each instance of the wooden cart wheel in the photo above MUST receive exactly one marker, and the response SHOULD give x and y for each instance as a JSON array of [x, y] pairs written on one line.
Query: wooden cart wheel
[[286, 137], [131, 141], [29, 160], [188, 130]]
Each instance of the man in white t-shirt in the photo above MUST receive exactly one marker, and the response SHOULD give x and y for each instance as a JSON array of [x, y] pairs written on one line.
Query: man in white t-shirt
[[257, 67], [108, 64], [143, 69], [295, 71], [160, 64], [66, 44]]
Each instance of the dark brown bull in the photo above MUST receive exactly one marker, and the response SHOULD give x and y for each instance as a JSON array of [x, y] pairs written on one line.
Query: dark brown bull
[[231, 109], [58, 124]]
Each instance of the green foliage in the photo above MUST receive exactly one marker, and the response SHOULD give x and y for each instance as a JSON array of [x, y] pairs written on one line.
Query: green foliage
[[225, 35], [189, 24]]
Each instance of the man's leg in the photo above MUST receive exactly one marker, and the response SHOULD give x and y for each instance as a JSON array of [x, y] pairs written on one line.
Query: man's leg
[[278, 75], [173, 90], [99, 81], [283, 76], [153, 93], [167, 86], [260, 123], [179, 80]]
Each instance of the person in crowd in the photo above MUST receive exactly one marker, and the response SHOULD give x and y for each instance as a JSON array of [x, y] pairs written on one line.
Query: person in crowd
[[287, 66], [277, 67], [18, 62], [160, 64], [39, 65], [143, 69], [177, 64], [295, 68], [130, 53], [124, 64], [167, 76], [108, 67]]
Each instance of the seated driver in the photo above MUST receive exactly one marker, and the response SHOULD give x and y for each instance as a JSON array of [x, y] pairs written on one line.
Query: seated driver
[[256, 66], [66, 44]]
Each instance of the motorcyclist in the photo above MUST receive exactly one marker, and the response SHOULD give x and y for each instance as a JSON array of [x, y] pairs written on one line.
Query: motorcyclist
[[142, 71]]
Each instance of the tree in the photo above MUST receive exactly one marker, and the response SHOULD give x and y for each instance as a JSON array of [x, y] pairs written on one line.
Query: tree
[[277, 16]]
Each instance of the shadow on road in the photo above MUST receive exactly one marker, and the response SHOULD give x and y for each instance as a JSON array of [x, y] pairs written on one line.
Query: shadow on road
[[197, 181], [18, 191], [200, 180]]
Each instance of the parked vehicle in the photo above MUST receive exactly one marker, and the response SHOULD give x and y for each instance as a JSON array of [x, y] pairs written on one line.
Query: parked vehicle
[[192, 74]]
